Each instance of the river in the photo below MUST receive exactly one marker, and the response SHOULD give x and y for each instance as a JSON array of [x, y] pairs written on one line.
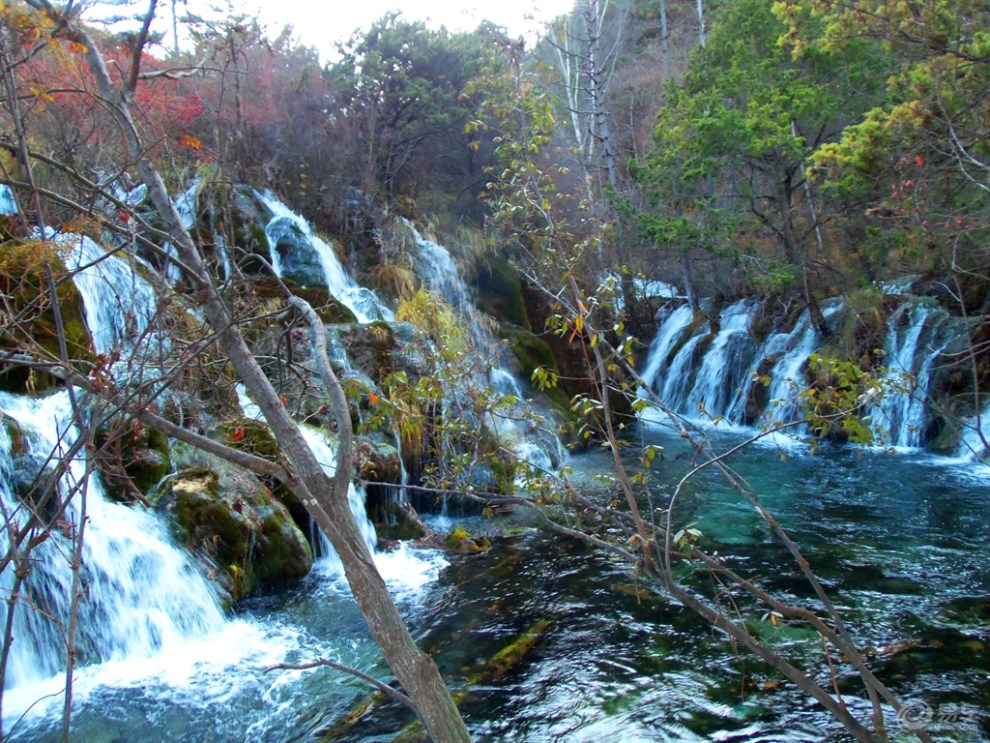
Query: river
[[901, 541]]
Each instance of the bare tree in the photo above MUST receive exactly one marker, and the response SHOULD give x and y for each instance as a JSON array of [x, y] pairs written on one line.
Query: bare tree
[[324, 498]]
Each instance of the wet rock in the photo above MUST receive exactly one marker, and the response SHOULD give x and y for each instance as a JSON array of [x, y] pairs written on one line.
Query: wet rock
[[228, 518], [24, 266], [133, 458]]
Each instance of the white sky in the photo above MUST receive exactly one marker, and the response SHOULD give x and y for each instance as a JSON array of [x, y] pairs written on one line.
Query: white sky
[[322, 24]]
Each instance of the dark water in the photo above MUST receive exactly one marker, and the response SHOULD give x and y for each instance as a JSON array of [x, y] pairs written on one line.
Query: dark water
[[589, 653]]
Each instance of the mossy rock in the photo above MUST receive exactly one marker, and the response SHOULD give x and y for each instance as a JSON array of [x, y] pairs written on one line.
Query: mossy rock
[[329, 309], [376, 460], [24, 284], [250, 435], [254, 437], [134, 458], [461, 540], [226, 516], [373, 349], [500, 290], [285, 554], [533, 352], [510, 656]]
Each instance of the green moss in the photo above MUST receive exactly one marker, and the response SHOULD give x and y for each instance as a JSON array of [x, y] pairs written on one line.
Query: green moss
[[512, 654], [24, 266], [461, 540], [500, 290], [286, 556], [135, 457], [226, 516], [533, 352], [329, 309]]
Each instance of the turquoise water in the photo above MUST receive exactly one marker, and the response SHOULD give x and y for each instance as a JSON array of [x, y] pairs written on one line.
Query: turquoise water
[[902, 542]]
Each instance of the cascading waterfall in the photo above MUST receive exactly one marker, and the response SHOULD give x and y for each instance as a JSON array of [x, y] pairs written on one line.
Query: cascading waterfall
[[437, 267], [671, 330], [289, 230], [8, 204], [973, 444], [788, 351], [716, 374], [915, 338], [724, 365], [697, 385], [148, 617], [119, 304], [792, 351], [143, 595]]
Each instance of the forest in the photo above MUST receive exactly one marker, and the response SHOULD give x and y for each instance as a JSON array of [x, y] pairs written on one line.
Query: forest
[[626, 383]]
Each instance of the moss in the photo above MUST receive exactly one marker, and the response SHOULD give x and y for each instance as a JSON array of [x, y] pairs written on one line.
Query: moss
[[31, 327], [285, 555], [208, 525], [500, 290], [329, 309], [533, 352], [461, 540], [134, 457], [229, 518], [512, 654]]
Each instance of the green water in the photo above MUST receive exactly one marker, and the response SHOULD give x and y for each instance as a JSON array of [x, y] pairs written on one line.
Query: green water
[[901, 542]]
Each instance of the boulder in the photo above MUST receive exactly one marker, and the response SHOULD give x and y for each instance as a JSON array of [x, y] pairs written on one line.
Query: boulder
[[229, 518]]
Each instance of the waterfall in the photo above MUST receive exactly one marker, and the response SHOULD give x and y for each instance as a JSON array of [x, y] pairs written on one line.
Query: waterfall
[[289, 232], [541, 449], [437, 267], [670, 333], [696, 384], [326, 454], [788, 351], [716, 374], [915, 338], [976, 430], [119, 304], [724, 365], [142, 594], [8, 204]]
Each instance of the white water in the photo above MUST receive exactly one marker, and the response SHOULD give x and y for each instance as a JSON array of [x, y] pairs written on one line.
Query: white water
[[8, 204], [719, 381], [671, 331], [915, 338], [149, 620], [285, 223], [143, 596], [792, 350], [716, 385], [976, 431], [516, 432], [403, 570], [702, 388], [723, 369], [119, 304]]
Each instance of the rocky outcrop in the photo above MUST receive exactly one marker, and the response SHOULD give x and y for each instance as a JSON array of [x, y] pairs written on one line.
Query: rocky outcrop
[[231, 520]]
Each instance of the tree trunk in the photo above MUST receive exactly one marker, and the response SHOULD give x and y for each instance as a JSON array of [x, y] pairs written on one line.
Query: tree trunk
[[664, 40], [596, 85], [327, 500]]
